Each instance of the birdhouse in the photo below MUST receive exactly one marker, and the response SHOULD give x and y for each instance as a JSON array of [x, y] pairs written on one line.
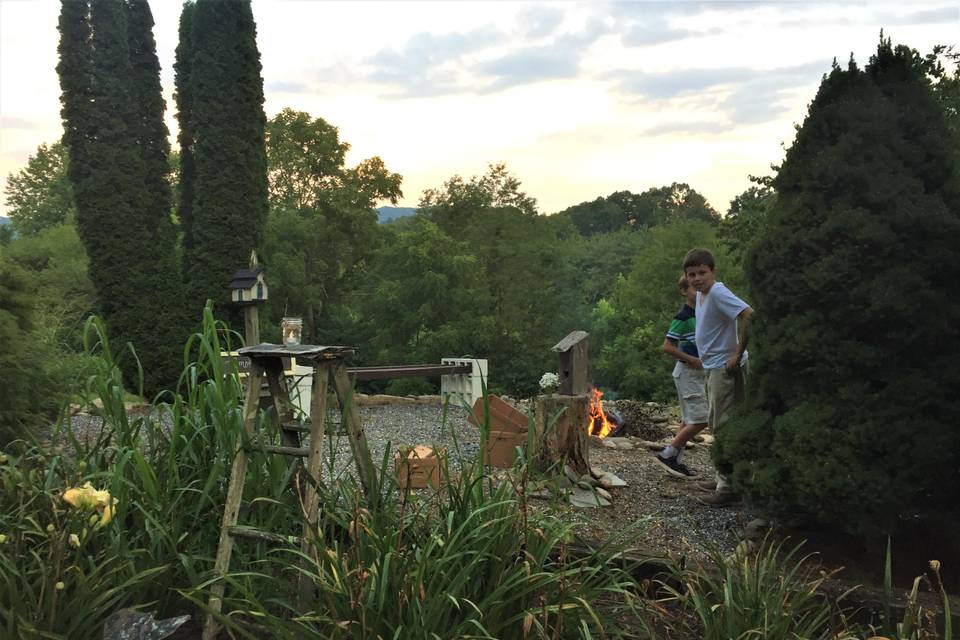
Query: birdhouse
[[574, 364], [248, 286]]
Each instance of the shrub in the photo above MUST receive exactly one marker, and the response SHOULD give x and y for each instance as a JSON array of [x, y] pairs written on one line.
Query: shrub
[[856, 331]]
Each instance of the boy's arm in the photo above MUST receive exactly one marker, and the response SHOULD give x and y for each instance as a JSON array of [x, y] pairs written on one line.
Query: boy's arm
[[743, 337], [670, 348]]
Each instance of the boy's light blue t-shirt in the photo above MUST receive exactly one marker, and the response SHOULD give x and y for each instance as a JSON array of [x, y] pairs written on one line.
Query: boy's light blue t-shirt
[[717, 325]]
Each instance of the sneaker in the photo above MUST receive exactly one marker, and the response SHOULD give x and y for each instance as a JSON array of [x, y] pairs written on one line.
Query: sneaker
[[676, 469], [707, 485], [721, 498]]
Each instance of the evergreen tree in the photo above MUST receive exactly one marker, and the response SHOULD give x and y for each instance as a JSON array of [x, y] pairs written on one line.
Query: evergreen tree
[[183, 98], [856, 337], [112, 121], [219, 78]]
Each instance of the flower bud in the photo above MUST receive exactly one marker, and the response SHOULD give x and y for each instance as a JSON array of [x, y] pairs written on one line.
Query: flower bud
[[60, 586], [3, 538], [50, 528], [74, 540]]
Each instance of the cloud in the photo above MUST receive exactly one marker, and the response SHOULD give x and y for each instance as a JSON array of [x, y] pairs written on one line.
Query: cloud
[[283, 86], [681, 127], [541, 21], [673, 84], [924, 16], [755, 95], [428, 63]]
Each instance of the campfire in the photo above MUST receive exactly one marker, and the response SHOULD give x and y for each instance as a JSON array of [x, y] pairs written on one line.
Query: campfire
[[602, 423]]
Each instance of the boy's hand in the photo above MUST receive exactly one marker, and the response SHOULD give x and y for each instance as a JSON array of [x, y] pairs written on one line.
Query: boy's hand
[[696, 363], [732, 363]]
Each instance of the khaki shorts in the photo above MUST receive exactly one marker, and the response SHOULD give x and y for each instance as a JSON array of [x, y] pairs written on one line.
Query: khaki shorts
[[724, 390], [692, 392]]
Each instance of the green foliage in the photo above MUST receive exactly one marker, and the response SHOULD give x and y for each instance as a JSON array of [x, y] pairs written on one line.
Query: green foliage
[[224, 164], [322, 229], [40, 195], [59, 577], [495, 314], [745, 220], [31, 381], [856, 323], [767, 593], [63, 294], [656, 206]]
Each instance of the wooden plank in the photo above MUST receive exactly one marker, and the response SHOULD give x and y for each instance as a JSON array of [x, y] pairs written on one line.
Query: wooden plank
[[231, 509], [307, 351], [572, 338], [318, 411], [501, 415], [358, 440], [390, 372]]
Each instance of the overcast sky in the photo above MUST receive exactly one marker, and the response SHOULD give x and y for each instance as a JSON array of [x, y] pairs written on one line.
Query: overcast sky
[[578, 99]]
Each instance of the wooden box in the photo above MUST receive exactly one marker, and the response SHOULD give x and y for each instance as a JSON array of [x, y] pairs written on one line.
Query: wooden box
[[419, 467], [501, 446]]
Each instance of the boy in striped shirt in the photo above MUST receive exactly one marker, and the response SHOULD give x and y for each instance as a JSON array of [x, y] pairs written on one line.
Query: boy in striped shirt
[[689, 379]]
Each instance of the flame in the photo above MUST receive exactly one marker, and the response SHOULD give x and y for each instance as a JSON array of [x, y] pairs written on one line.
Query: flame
[[598, 426]]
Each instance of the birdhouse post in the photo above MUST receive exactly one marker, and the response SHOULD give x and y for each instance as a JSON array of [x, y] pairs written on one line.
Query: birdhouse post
[[249, 290]]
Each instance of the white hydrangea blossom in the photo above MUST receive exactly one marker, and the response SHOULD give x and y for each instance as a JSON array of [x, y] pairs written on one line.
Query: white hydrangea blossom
[[549, 381]]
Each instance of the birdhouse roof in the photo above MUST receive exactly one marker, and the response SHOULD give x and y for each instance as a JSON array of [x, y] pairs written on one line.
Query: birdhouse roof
[[245, 278]]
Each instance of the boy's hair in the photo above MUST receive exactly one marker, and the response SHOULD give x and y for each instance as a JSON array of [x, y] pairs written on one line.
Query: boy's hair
[[698, 257], [683, 283]]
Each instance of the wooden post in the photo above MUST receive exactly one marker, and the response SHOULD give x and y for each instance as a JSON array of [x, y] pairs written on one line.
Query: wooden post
[[560, 435], [318, 417], [231, 509], [251, 325], [358, 440]]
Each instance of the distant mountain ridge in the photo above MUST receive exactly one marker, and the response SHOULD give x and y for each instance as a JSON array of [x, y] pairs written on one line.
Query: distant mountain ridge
[[389, 214]]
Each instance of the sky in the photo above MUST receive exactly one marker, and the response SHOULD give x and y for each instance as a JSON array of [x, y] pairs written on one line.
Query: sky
[[579, 99]]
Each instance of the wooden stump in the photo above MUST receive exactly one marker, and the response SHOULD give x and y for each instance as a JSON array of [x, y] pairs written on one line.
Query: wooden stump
[[562, 439]]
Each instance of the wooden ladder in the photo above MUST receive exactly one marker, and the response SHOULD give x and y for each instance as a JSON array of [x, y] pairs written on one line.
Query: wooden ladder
[[266, 361]]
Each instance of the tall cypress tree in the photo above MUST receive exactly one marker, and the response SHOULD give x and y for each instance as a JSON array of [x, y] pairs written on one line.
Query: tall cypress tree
[[223, 91], [183, 97], [858, 330], [113, 127]]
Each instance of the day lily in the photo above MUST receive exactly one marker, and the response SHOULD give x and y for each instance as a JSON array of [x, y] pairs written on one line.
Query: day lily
[[74, 540], [86, 497]]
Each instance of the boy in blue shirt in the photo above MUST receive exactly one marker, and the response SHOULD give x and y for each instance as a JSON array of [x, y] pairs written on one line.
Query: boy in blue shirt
[[721, 337], [689, 379]]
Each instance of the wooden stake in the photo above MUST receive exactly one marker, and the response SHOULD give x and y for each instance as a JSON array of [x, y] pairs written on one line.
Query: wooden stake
[[562, 439]]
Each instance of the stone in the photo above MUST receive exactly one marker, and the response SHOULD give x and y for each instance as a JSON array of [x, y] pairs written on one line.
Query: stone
[[707, 438], [608, 444], [571, 474], [589, 479], [626, 445], [756, 529], [603, 493], [587, 499], [652, 446], [611, 481]]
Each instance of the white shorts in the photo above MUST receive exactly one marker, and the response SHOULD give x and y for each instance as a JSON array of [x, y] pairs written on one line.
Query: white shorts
[[691, 386]]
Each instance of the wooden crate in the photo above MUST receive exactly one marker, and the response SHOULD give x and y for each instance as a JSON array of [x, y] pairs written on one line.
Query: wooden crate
[[419, 468]]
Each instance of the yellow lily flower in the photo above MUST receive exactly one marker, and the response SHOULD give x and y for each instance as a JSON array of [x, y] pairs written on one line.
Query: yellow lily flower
[[86, 497]]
